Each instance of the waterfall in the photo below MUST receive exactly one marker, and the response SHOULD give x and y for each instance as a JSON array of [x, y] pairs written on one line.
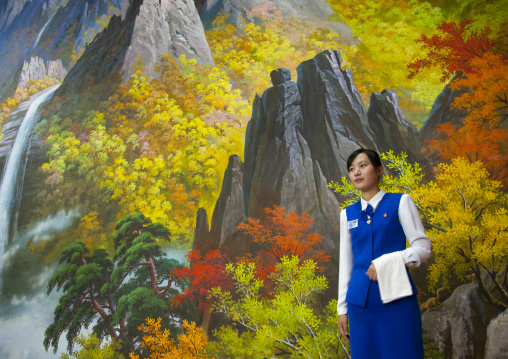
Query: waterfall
[[42, 31], [12, 168]]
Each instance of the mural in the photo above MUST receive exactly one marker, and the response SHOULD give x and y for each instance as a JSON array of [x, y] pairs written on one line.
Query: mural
[[173, 171]]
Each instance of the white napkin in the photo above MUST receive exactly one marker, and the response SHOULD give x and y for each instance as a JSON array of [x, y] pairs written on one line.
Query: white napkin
[[392, 277]]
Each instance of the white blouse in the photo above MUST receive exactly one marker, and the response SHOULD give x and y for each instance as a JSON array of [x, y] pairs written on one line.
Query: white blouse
[[418, 252]]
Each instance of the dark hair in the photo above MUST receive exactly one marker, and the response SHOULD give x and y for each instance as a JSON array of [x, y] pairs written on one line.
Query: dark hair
[[371, 154]]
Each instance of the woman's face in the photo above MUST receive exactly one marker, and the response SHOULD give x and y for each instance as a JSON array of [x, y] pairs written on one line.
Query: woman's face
[[363, 175]]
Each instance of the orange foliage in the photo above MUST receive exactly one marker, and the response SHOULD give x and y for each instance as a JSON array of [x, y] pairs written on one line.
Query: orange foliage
[[190, 345], [281, 235], [485, 81], [203, 274], [488, 86], [475, 143]]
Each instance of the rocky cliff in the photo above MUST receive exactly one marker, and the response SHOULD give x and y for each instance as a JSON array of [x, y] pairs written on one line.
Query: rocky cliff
[[37, 69], [390, 129], [150, 28], [47, 29], [239, 11], [297, 141], [442, 112]]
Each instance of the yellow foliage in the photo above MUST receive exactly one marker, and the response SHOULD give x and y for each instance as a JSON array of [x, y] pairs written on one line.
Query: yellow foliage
[[468, 214], [191, 344]]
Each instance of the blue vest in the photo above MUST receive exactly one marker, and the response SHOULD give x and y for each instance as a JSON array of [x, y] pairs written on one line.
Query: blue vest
[[369, 241]]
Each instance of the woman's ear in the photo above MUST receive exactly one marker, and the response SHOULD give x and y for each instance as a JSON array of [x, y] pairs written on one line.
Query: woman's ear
[[380, 170]]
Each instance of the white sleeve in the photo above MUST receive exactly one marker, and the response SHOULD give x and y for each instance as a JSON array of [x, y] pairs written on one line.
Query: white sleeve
[[345, 264], [419, 250]]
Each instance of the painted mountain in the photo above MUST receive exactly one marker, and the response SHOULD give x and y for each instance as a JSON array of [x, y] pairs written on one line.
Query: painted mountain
[[173, 171]]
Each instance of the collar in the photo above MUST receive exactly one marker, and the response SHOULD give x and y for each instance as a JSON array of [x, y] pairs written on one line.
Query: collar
[[374, 201]]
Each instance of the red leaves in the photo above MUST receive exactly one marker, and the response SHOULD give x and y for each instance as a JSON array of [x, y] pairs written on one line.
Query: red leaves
[[203, 274], [279, 234], [283, 234], [451, 50]]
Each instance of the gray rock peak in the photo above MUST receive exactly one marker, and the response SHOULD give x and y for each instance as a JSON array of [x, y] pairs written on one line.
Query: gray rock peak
[[335, 119], [227, 215], [37, 69], [442, 112], [390, 129], [279, 76], [150, 28]]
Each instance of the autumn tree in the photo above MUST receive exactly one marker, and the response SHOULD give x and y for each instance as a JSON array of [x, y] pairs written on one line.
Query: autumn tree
[[469, 233], [281, 234], [117, 295], [484, 86], [201, 275], [157, 343], [287, 324], [81, 278]]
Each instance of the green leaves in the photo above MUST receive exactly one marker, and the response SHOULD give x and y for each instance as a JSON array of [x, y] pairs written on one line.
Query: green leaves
[[287, 322], [95, 289]]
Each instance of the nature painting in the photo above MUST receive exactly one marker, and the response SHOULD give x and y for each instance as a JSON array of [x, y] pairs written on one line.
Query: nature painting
[[173, 171]]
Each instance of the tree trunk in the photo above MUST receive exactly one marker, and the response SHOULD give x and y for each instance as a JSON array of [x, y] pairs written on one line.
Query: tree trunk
[[102, 313], [496, 303], [153, 274], [207, 316]]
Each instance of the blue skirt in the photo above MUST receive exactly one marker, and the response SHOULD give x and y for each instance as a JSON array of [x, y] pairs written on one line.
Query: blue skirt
[[385, 331]]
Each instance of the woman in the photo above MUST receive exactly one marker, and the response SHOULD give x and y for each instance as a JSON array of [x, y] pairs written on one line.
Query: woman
[[376, 294]]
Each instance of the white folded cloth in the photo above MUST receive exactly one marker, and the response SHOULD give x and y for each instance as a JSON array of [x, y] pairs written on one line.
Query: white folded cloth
[[392, 277]]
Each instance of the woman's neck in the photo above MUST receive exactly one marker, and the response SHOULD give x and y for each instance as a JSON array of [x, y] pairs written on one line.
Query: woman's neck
[[368, 195]]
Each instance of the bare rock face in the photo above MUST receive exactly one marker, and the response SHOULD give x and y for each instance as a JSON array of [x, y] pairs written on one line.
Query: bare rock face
[[441, 112], [458, 328], [37, 69], [335, 119], [208, 10], [227, 215], [48, 29], [239, 12], [150, 28], [390, 129], [9, 10], [497, 338]]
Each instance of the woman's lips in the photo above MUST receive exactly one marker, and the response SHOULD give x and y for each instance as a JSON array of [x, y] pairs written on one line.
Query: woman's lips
[[358, 180]]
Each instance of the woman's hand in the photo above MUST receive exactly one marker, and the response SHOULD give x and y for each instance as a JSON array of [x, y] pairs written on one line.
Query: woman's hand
[[344, 326], [371, 273]]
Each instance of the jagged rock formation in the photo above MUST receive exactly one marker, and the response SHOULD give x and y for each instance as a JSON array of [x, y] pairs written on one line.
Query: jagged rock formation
[[150, 28], [297, 141], [441, 112], [37, 69], [45, 29], [497, 338], [229, 212], [458, 328], [239, 11], [390, 129], [335, 119]]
